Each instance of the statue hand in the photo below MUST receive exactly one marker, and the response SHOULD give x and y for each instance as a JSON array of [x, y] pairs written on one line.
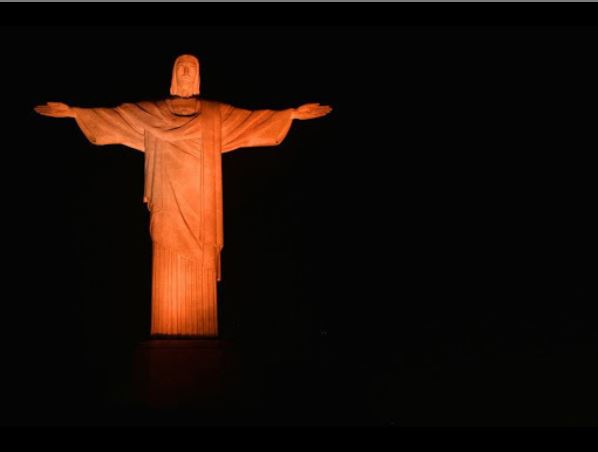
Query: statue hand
[[55, 110], [311, 111]]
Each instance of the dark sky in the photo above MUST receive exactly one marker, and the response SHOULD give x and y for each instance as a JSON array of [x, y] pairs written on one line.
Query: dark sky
[[424, 255]]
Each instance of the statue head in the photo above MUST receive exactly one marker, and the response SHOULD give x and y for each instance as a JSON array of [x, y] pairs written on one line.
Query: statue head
[[185, 76]]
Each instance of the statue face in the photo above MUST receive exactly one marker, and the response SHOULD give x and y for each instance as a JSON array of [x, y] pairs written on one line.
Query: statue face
[[185, 72], [185, 76]]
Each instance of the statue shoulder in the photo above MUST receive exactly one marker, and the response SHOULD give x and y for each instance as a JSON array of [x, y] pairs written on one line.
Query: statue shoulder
[[148, 106], [150, 103], [212, 104]]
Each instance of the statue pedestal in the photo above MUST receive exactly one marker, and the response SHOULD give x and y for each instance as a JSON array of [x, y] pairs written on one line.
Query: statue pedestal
[[182, 373]]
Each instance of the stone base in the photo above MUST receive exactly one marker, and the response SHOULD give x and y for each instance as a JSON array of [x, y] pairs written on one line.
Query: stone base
[[182, 373]]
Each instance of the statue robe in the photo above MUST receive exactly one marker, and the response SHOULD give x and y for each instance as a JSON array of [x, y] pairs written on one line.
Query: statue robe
[[183, 191]]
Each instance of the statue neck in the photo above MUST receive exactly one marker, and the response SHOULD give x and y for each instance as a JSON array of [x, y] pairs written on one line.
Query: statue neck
[[184, 106]]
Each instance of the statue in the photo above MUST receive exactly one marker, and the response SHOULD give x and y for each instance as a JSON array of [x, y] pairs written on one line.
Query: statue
[[183, 137]]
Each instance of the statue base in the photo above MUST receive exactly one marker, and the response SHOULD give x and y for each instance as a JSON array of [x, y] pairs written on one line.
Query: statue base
[[182, 373]]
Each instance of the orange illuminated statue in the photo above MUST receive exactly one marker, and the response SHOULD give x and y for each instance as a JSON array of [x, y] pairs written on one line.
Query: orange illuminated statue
[[183, 138]]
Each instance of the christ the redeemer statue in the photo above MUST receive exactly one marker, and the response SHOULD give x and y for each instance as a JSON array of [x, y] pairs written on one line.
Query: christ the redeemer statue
[[183, 138]]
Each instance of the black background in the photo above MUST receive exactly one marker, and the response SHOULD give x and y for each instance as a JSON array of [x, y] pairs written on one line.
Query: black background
[[424, 255]]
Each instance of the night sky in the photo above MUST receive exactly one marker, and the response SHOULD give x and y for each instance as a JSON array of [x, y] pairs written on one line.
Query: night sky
[[424, 255]]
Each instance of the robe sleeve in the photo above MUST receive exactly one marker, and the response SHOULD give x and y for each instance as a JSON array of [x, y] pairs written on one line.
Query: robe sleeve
[[110, 126], [244, 128]]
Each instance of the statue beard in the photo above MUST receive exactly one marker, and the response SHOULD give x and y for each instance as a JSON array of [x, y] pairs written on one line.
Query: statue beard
[[185, 86], [185, 90]]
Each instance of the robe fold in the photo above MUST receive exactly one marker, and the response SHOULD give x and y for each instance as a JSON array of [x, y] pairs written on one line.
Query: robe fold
[[183, 191]]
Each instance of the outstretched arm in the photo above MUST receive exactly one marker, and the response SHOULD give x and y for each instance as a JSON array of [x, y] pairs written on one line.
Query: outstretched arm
[[100, 125], [245, 128]]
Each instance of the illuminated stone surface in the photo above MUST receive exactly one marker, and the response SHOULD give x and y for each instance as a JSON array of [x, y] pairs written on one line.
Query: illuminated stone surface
[[183, 137]]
